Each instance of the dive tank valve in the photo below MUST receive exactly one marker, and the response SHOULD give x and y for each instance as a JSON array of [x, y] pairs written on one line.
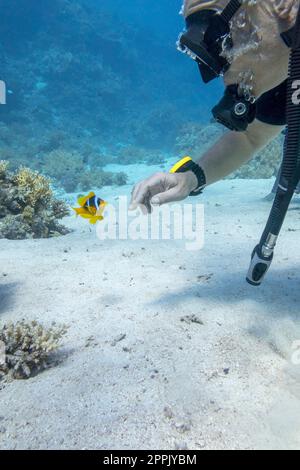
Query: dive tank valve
[[261, 260]]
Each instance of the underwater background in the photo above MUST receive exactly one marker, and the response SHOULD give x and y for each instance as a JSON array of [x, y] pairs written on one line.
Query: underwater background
[[146, 344], [91, 83]]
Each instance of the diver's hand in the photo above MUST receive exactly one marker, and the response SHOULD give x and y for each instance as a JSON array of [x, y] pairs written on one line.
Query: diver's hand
[[162, 188]]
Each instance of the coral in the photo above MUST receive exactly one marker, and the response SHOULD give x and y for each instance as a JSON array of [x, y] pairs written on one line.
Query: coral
[[3, 169], [79, 97], [99, 178], [68, 169], [34, 188], [65, 167], [28, 208], [265, 164], [120, 179], [28, 348], [129, 154], [194, 139]]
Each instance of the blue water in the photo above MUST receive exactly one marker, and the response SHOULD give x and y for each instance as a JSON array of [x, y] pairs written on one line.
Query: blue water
[[100, 78], [166, 348]]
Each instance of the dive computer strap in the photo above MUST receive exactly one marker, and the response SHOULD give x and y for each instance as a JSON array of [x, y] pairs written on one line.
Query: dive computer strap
[[187, 164]]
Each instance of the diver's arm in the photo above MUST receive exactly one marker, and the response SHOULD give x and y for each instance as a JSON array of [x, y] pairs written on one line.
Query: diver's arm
[[228, 154], [234, 149]]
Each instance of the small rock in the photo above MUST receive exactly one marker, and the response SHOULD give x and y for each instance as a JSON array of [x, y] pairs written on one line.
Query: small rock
[[90, 342], [181, 446], [168, 412], [201, 444], [191, 319], [183, 427], [118, 339], [205, 277]]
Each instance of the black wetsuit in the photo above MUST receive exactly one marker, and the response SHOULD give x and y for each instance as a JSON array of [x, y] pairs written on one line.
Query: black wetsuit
[[271, 107]]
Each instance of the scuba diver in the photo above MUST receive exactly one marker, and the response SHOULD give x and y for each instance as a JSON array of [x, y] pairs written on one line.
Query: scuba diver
[[249, 44]]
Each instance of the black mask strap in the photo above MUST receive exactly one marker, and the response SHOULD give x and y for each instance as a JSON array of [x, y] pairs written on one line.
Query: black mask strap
[[230, 10]]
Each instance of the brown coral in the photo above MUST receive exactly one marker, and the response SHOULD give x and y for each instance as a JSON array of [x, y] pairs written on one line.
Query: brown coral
[[27, 206], [35, 188], [26, 348]]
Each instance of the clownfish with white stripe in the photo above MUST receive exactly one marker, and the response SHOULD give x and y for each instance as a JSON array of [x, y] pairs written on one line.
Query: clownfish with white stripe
[[91, 207]]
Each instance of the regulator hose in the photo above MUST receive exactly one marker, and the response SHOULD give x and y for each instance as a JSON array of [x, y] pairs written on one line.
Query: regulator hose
[[262, 255]]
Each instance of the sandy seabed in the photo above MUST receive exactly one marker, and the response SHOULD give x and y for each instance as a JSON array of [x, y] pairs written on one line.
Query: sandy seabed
[[136, 372]]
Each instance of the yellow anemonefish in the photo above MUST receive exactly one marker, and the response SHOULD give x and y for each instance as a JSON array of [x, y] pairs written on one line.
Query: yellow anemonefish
[[91, 208]]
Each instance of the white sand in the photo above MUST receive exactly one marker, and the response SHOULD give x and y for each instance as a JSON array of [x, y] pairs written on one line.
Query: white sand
[[167, 389]]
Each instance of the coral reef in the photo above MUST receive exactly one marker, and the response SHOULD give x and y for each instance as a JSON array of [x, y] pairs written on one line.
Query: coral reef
[[92, 97], [194, 138], [27, 348], [70, 170], [27, 206], [129, 154], [79, 80], [265, 164]]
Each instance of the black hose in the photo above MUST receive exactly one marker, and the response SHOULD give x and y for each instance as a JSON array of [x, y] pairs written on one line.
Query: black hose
[[290, 175]]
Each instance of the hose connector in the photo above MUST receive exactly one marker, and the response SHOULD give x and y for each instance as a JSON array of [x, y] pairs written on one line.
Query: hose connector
[[261, 261]]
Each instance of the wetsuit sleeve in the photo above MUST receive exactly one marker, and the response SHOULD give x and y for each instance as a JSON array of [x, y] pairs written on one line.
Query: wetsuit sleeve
[[271, 106]]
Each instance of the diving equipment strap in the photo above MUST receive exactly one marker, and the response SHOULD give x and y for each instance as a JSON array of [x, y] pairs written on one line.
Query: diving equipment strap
[[230, 10], [187, 164]]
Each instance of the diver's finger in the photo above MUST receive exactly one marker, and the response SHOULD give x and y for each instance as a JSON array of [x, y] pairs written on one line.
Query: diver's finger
[[146, 208], [147, 189], [172, 195], [142, 194], [135, 190], [133, 203]]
